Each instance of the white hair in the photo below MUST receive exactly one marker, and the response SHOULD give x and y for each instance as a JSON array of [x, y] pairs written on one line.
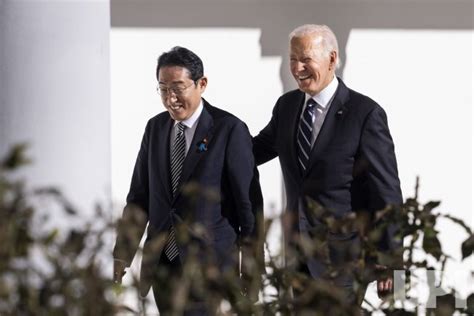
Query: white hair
[[323, 33]]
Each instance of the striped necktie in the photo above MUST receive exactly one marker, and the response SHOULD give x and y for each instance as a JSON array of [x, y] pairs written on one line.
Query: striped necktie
[[178, 153], [305, 133]]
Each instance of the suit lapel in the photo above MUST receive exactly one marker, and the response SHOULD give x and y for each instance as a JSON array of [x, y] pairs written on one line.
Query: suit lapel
[[336, 113], [162, 155], [204, 131]]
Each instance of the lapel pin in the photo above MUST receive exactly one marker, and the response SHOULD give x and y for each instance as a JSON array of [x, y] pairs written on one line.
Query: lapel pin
[[202, 145], [340, 112]]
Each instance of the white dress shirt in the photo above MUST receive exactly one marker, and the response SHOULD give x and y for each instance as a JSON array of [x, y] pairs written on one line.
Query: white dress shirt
[[323, 100], [191, 124]]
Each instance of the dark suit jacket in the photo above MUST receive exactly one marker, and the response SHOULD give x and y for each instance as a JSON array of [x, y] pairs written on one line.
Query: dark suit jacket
[[352, 163], [224, 195]]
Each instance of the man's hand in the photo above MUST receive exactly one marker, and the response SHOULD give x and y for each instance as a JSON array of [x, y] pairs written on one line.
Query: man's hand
[[119, 271], [384, 281]]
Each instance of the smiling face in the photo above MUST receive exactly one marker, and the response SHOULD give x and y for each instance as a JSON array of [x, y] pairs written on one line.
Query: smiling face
[[180, 94], [311, 65]]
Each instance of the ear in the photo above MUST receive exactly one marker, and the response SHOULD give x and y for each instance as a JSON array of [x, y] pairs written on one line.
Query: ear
[[202, 84], [332, 60]]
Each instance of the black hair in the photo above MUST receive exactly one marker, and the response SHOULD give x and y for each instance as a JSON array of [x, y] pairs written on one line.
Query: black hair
[[182, 57]]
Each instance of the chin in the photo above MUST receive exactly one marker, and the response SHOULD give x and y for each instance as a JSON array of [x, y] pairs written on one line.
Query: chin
[[305, 90], [309, 90], [304, 87], [181, 117]]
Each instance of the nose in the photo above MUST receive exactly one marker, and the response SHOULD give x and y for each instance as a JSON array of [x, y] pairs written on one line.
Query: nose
[[170, 97], [297, 66], [300, 66]]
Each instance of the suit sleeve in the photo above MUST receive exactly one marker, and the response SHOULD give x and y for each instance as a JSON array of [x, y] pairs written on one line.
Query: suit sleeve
[[377, 149], [264, 144], [131, 226], [240, 167], [244, 182], [138, 193]]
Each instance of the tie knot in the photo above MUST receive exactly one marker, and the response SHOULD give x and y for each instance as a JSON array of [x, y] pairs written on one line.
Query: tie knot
[[310, 103], [180, 126]]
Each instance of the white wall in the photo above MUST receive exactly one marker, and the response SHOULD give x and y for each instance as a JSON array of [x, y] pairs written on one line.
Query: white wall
[[54, 93]]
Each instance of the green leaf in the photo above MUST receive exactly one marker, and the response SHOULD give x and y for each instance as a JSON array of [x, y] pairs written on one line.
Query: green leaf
[[430, 232], [16, 157], [470, 304], [428, 207], [432, 245], [467, 247]]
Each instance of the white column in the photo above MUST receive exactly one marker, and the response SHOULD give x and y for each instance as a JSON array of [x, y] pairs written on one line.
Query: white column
[[54, 93]]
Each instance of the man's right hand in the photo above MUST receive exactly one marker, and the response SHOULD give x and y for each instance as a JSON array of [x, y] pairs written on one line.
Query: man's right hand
[[119, 271]]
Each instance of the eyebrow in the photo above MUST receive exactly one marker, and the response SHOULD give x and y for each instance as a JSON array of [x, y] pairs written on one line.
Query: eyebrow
[[174, 82], [301, 56]]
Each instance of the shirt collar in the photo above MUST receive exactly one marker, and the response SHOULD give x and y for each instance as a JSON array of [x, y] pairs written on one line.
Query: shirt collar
[[324, 97], [189, 123]]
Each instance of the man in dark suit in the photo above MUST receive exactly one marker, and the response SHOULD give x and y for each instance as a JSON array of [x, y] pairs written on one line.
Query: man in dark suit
[[195, 170], [335, 149]]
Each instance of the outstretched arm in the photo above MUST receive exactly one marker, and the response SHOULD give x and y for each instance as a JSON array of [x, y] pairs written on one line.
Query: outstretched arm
[[264, 144]]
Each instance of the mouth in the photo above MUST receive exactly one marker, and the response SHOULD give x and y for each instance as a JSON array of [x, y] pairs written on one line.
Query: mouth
[[175, 107], [303, 77]]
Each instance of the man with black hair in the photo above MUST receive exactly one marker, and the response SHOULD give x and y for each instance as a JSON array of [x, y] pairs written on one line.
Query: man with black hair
[[191, 147]]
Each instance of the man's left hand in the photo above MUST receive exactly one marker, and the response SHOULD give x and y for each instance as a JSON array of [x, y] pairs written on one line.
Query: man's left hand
[[384, 282], [384, 287]]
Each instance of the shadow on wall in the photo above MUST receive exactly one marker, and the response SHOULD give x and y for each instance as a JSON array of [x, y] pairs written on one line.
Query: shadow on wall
[[278, 18]]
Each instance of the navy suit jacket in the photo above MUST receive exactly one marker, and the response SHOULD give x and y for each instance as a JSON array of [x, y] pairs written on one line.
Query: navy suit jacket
[[221, 192], [352, 164]]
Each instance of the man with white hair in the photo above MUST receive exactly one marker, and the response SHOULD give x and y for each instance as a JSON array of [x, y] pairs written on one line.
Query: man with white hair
[[335, 149]]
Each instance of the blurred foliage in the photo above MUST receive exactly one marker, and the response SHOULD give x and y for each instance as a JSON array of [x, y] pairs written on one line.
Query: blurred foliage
[[48, 270]]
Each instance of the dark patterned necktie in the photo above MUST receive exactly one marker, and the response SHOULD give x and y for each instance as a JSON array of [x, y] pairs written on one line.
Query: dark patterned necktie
[[305, 133], [178, 153]]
